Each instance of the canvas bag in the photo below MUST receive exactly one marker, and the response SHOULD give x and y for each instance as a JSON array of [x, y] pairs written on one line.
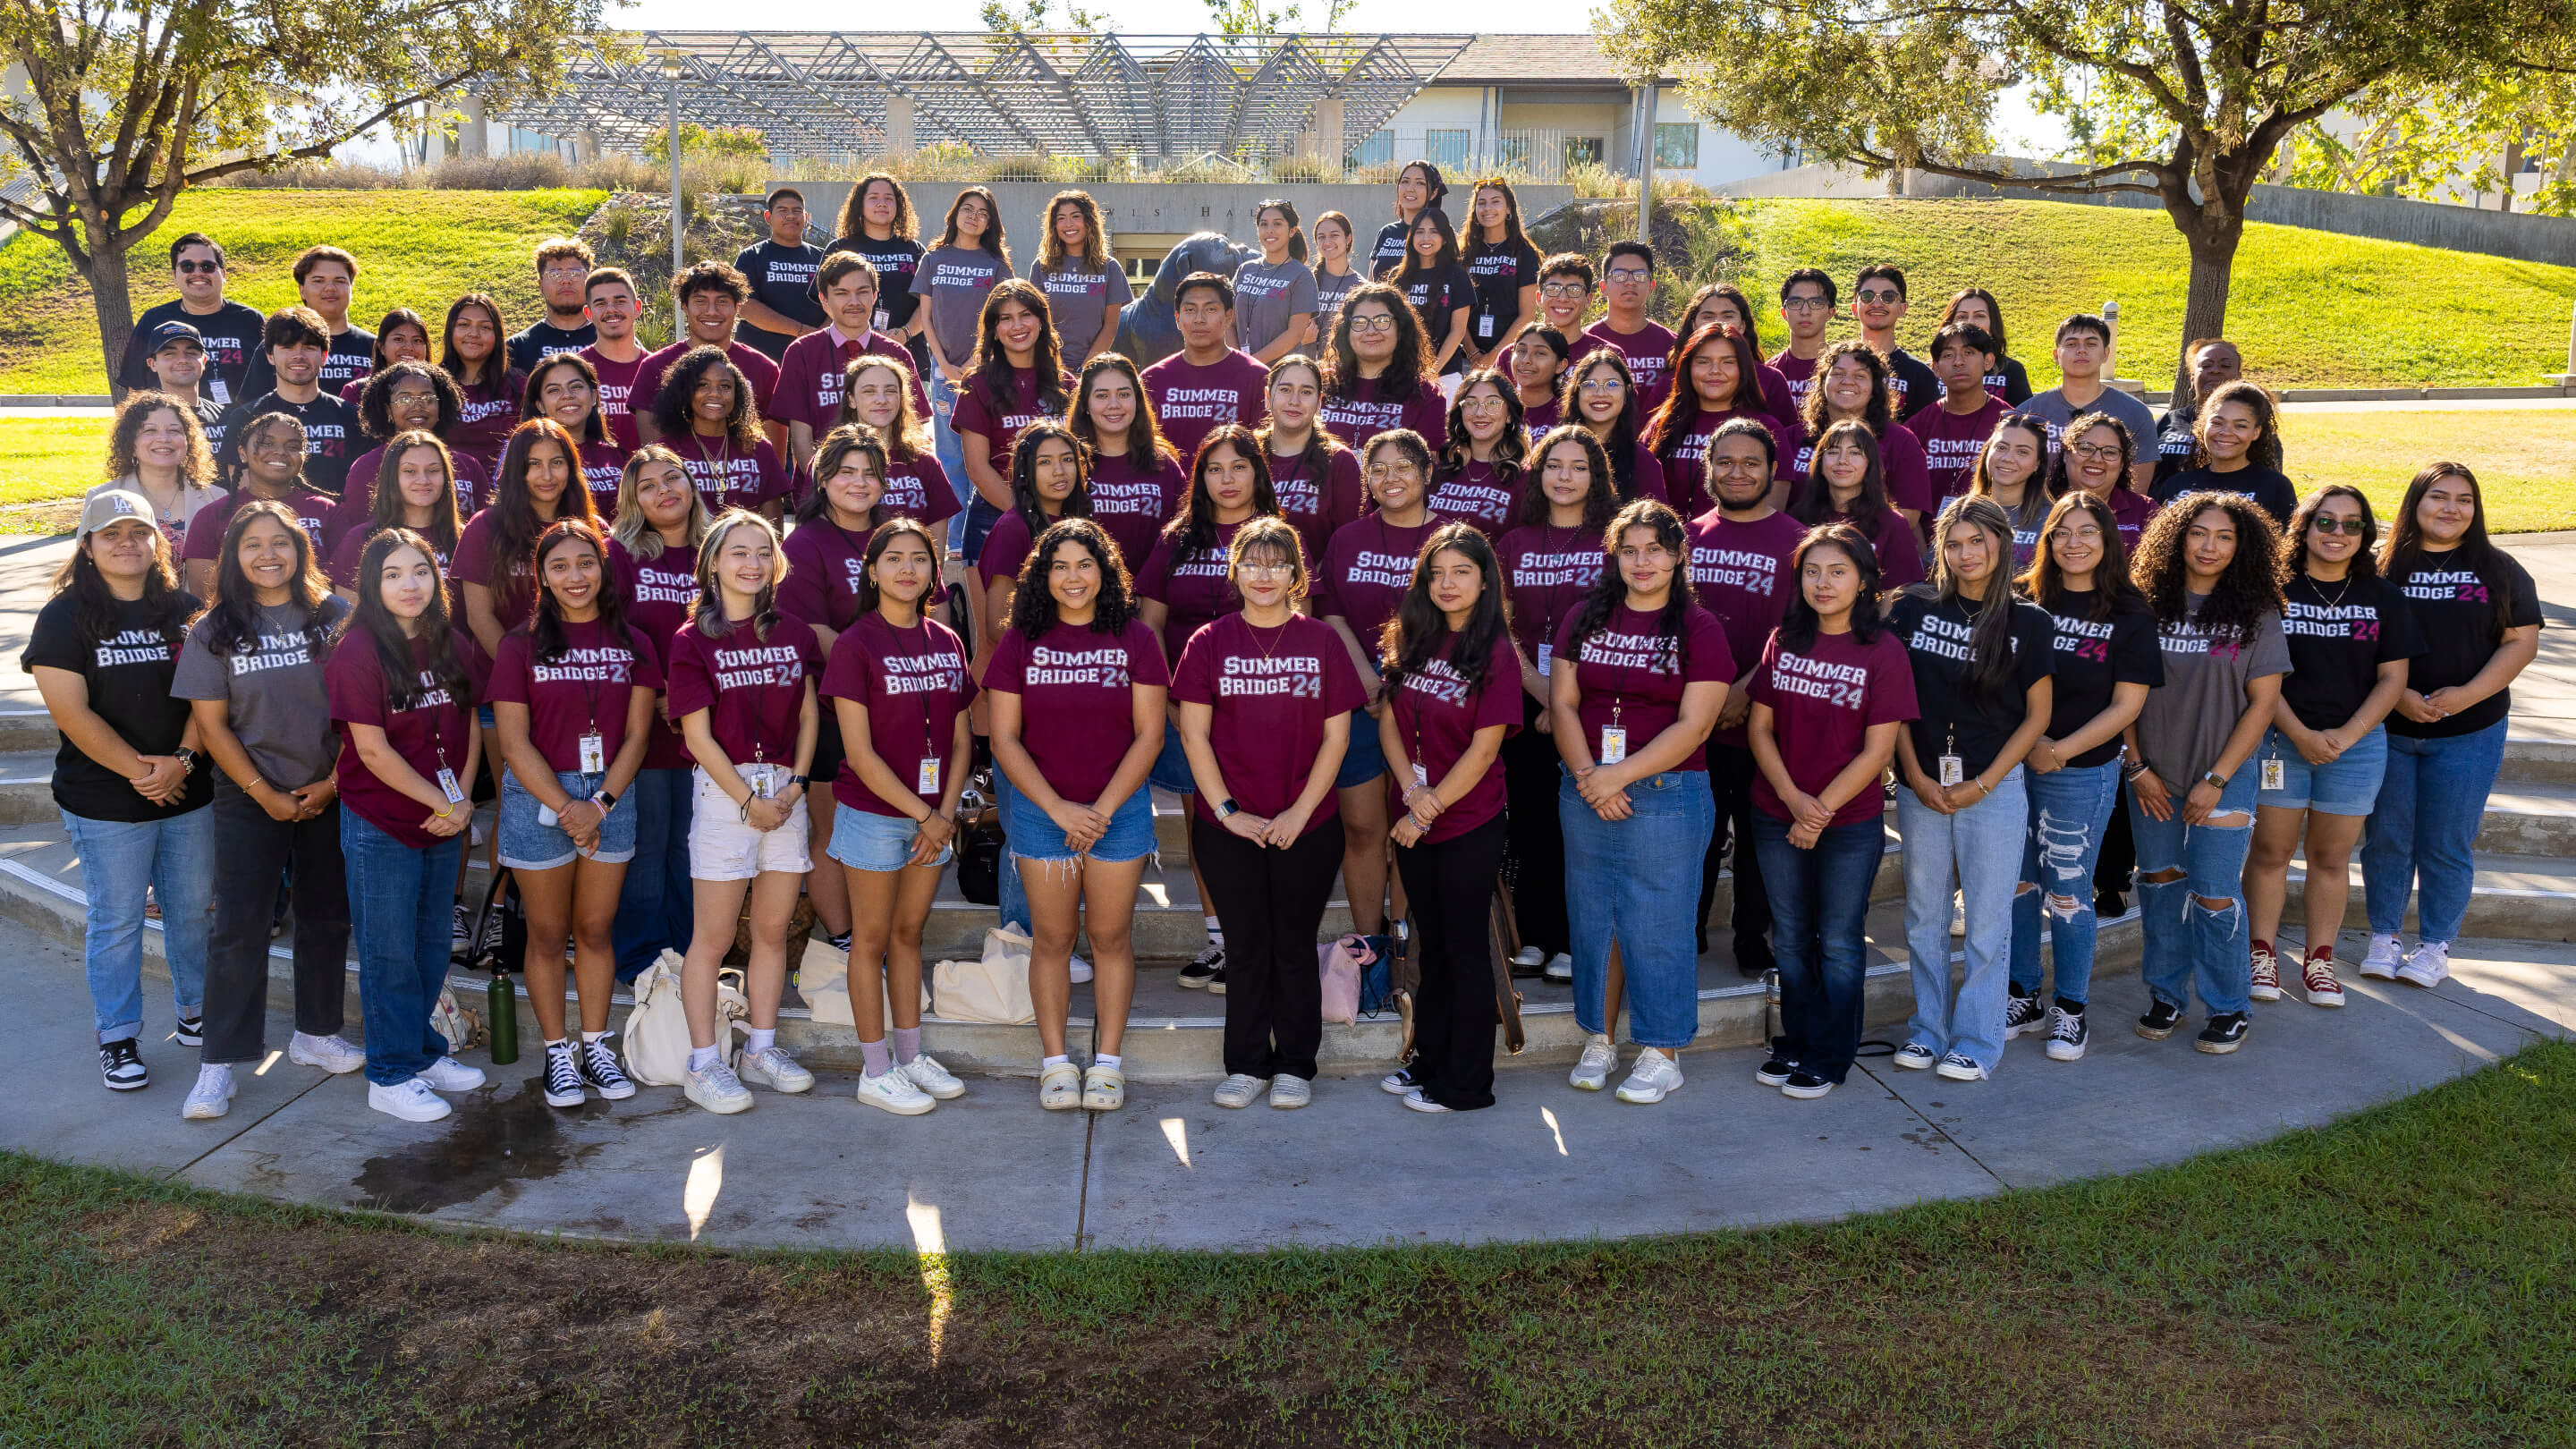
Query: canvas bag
[[824, 982], [656, 1036], [1342, 962], [994, 989]]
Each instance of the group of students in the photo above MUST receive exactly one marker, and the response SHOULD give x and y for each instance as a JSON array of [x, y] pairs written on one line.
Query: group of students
[[1423, 604]]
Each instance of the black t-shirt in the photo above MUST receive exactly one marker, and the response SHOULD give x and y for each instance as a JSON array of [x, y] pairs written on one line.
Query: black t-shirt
[[2454, 608], [352, 356], [210, 416], [782, 278], [1912, 386], [544, 339], [2265, 486], [896, 259], [2339, 634], [2088, 657], [1956, 718], [2177, 446], [1434, 296], [1388, 253], [331, 438], [2009, 381], [232, 336], [1499, 270], [129, 687]]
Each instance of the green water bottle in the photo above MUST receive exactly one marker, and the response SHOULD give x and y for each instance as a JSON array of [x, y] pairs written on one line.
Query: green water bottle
[[501, 1009]]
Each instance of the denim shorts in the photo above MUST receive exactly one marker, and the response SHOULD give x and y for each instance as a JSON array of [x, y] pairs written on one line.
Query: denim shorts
[[1172, 767], [528, 845], [2349, 786], [1033, 836], [1365, 760], [865, 840], [484, 716]]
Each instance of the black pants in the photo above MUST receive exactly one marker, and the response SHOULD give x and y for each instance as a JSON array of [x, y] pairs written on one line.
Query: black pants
[[1451, 886], [1271, 906], [1730, 779], [1535, 844], [2119, 858], [253, 850]]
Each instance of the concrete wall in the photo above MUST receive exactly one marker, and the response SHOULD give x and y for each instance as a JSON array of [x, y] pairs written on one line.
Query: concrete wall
[[2455, 228]]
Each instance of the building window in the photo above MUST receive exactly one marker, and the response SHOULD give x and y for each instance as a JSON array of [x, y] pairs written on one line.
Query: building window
[[1377, 150], [1677, 145], [1583, 150], [1446, 148]]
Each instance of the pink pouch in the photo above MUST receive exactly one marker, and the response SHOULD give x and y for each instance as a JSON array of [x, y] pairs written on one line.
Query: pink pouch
[[1341, 962]]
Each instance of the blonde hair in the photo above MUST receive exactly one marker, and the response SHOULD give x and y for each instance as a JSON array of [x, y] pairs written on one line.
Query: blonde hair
[[641, 539], [709, 614], [909, 438]]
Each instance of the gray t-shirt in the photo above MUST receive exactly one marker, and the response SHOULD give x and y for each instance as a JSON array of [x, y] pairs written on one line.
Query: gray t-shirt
[[2053, 408], [275, 698], [2185, 724], [1268, 298], [1078, 297], [955, 282], [1330, 293]]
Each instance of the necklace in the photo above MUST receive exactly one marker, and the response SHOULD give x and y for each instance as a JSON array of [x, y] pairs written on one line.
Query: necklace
[[2319, 585]]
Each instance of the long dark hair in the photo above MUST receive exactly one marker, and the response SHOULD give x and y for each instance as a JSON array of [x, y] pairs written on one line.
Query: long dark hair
[[1145, 443], [388, 504], [398, 317], [97, 622], [2044, 583], [497, 365], [1621, 445], [1815, 501], [1679, 416], [235, 607], [1033, 605], [1990, 648], [546, 637], [1734, 296], [990, 369], [1193, 529], [886, 533], [2266, 449], [1288, 213], [2249, 588], [1799, 623], [673, 405], [1420, 631], [1598, 504], [594, 428], [515, 525], [1316, 461], [829, 454], [1413, 266], [1509, 449], [375, 402], [1994, 316], [2294, 542], [2035, 496], [993, 242], [403, 683], [1024, 474], [1878, 412], [1403, 375], [1513, 235], [2405, 546], [1611, 589], [854, 210], [709, 615]]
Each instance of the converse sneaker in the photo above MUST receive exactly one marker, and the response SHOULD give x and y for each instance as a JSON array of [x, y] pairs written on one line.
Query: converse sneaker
[[1202, 966], [2317, 976], [1914, 1056], [718, 1089], [894, 1092], [1651, 1078], [1104, 1089], [1775, 1070], [1397, 1083], [772, 1068], [563, 1075], [121, 1063], [2267, 975], [447, 1074], [213, 1095], [1238, 1090], [1960, 1067], [2385, 956], [460, 929], [191, 1031], [410, 1099], [1059, 1087], [1806, 1085], [1288, 1093], [488, 941], [1559, 970], [2159, 1022], [600, 1072], [926, 1073], [2224, 1034], [2067, 1035], [330, 1053], [1599, 1060], [2023, 1013], [1216, 980], [2430, 962], [840, 943], [1415, 1101]]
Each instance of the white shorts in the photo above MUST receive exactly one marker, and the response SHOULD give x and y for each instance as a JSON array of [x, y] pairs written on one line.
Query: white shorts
[[724, 846]]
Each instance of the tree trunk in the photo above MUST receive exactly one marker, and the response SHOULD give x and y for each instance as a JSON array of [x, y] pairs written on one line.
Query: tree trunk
[[2213, 262], [104, 269]]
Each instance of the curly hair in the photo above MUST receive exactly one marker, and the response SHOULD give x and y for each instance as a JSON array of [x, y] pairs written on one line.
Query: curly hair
[[1599, 502], [1611, 589], [2294, 539], [1621, 444], [909, 438], [2256, 399], [2061, 471], [990, 368], [1878, 412], [674, 404], [710, 276], [1403, 375], [1420, 629], [2248, 588], [1095, 239], [375, 403], [196, 461], [854, 209], [1799, 622], [2044, 582], [1033, 603], [1457, 449]]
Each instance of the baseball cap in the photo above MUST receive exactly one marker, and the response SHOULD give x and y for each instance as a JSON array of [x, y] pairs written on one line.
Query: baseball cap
[[174, 330], [107, 507]]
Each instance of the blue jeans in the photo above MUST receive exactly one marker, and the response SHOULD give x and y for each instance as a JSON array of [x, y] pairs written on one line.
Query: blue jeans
[[176, 858], [1977, 852], [399, 897], [951, 451], [2069, 809], [657, 906], [1635, 882], [1014, 907], [2421, 836], [2187, 943], [1819, 903]]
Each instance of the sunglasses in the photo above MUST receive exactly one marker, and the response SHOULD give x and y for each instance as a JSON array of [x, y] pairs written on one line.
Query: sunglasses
[[2353, 526], [191, 268]]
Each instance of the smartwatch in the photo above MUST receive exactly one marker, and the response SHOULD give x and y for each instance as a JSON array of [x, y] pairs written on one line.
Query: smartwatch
[[605, 801], [2214, 778], [1226, 809]]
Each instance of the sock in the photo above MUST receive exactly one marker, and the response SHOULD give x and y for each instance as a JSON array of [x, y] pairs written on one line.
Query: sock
[[878, 1062], [701, 1058], [1215, 932], [593, 1038], [1048, 1064], [558, 1044], [1112, 1063], [907, 1042], [757, 1041]]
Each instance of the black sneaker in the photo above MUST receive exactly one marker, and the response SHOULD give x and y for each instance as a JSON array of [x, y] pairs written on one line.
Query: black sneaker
[[2160, 1020], [840, 942], [563, 1075], [191, 1031], [1206, 964], [2224, 1034], [1775, 1070], [1806, 1085], [2067, 1035], [121, 1063], [600, 1072], [2109, 905], [1216, 980], [2023, 1013], [460, 929]]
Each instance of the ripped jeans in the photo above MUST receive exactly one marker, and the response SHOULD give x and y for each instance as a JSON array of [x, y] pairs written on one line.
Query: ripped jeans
[[2069, 810], [2188, 942]]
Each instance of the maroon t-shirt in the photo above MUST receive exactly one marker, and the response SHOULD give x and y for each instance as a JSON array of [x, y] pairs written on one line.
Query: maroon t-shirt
[[1536, 421], [2131, 510], [617, 396], [514, 593], [358, 495], [586, 689], [1686, 462], [753, 689], [1951, 445], [1194, 592], [1318, 506], [660, 593], [1131, 504], [603, 472], [1437, 716], [352, 549], [1546, 573], [1271, 691], [919, 489], [206, 530], [811, 371], [1478, 495], [1077, 700], [1741, 573], [754, 364], [825, 566], [1005, 549], [1799, 373], [483, 423], [1366, 569], [1191, 401], [1900, 549], [1627, 671], [974, 414], [430, 734], [1365, 414], [1900, 461], [913, 684], [1823, 701], [728, 476], [1649, 351]]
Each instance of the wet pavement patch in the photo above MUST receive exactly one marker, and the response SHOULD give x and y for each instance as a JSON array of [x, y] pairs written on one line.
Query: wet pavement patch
[[497, 1138]]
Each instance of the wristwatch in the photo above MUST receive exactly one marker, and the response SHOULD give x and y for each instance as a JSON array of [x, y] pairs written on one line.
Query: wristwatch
[[187, 759], [2214, 778], [1227, 808], [605, 801]]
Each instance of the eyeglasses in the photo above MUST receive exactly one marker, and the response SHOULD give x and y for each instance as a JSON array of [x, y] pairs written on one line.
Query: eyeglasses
[[1630, 275], [1803, 304], [192, 268], [1267, 570], [1376, 323], [2087, 534], [2353, 526], [2095, 452], [1562, 291], [1599, 385], [563, 274]]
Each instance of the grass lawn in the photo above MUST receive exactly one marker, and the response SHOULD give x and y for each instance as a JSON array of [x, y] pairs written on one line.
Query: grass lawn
[[2404, 1278], [2310, 308], [418, 249]]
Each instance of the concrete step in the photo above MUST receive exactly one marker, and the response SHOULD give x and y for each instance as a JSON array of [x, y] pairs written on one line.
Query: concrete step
[[27, 729], [2514, 897], [2529, 817], [2538, 760], [27, 787]]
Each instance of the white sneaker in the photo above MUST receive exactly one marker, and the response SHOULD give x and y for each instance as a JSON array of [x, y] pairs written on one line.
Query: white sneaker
[[1960, 1067], [927, 1074], [2428, 965], [329, 1053], [1239, 1090], [2384, 958], [1529, 956], [1081, 971], [213, 1095], [447, 1074], [1914, 1056], [411, 1100], [895, 1092], [1420, 1103], [773, 1069], [1288, 1093], [1958, 916], [1653, 1078], [1559, 970], [717, 1089], [1599, 1060]]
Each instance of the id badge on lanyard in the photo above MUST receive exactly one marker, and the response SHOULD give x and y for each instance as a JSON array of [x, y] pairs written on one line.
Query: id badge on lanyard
[[594, 753], [1546, 656], [926, 781], [1614, 744], [2272, 771], [1953, 769], [447, 785]]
